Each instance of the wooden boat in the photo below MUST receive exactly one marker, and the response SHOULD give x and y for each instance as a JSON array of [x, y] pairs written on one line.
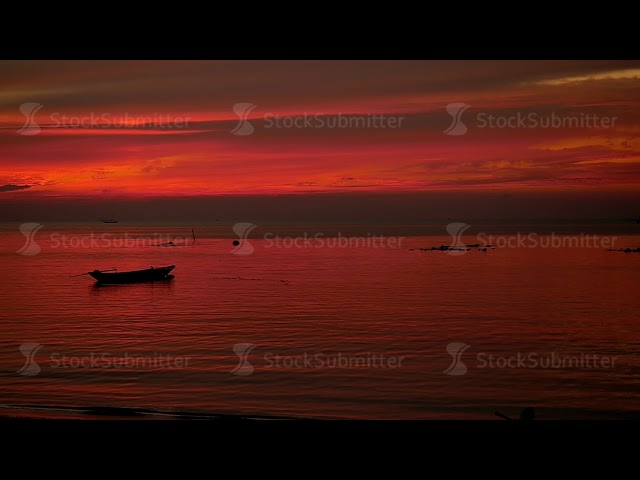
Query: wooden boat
[[149, 275]]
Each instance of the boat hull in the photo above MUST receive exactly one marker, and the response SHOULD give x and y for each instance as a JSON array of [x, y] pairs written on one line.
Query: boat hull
[[137, 276]]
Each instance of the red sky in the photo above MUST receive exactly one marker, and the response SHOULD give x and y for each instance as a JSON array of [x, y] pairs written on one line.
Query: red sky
[[189, 149]]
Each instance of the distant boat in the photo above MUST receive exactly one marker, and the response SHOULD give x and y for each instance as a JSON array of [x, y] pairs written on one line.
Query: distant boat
[[172, 244], [109, 220], [149, 275]]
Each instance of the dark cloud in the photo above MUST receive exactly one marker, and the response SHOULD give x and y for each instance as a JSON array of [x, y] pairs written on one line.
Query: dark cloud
[[11, 188], [204, 86]]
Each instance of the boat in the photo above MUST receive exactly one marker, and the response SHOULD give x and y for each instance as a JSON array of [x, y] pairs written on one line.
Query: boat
[[152, 274], [109, 220], [173, 244]]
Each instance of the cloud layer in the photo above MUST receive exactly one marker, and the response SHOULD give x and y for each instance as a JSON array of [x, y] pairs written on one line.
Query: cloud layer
[[164, 128]]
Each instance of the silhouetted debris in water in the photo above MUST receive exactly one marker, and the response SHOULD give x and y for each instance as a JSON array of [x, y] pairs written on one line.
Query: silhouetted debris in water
[[449, 248], [625, 250], [527, 414], [286, 282]]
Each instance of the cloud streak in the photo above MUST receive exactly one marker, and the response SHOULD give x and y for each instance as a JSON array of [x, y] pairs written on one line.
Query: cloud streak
[[13, 188]]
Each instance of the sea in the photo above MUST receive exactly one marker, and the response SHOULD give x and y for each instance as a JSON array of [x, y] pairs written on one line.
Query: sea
[[321, 321]]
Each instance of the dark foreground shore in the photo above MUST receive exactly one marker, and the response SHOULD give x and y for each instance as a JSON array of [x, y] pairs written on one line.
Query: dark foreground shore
[[33, 413]]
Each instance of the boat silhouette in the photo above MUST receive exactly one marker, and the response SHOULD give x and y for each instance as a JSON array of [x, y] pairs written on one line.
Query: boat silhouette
[[107, 277]]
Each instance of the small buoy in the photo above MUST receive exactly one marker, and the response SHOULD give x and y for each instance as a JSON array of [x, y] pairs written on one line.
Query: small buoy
[[236, 243]]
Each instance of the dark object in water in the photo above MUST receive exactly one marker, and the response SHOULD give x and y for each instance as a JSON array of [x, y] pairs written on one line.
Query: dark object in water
[[481, 247], [173, 244], [109, 220], [527, 414], [446, 248], [625, 250], [235, 243], [148, 275]]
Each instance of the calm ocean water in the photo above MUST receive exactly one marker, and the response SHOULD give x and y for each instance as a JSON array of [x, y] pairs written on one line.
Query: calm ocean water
[[329, 328]]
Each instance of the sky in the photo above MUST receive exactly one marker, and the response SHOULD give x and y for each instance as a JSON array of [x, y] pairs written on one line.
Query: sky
[[76, 134]]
